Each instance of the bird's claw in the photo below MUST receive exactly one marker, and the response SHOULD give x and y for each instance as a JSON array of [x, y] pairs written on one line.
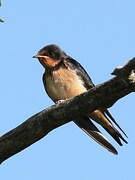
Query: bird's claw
[[60, 101]]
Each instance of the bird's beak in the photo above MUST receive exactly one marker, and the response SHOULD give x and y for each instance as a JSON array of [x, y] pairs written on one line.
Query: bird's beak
[[39, 56]]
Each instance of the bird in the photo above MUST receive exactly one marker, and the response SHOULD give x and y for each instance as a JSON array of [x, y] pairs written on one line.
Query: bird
[[65, 78]]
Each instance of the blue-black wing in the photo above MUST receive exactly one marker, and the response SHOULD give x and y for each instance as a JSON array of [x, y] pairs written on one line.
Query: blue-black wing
[[76, 66]]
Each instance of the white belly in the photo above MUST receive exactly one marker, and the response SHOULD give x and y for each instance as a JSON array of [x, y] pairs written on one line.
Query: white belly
[[64, 85]]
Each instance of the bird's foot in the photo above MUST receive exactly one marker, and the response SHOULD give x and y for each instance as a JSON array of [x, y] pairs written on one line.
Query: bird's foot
[[61, 101]]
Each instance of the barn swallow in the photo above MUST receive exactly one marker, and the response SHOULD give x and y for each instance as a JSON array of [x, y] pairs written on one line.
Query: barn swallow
[[65, 78]]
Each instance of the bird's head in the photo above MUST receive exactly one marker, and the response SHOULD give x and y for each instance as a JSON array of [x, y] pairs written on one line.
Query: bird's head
[[50, 56]]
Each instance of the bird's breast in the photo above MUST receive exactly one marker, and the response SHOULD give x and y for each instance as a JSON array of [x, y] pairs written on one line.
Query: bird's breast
[[63, 84]]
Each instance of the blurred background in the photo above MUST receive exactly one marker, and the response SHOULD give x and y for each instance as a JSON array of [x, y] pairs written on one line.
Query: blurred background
[[101, 36]]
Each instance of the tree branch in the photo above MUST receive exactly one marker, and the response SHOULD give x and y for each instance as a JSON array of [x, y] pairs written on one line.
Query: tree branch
[[100, 97]]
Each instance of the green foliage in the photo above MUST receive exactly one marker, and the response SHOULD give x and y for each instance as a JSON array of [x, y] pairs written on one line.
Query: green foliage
[[1, 20]]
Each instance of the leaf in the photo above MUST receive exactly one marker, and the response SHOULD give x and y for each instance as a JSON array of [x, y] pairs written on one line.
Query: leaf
[[1, 20]]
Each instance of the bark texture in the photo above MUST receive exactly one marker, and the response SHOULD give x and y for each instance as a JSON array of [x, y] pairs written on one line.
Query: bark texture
[[100, 97]]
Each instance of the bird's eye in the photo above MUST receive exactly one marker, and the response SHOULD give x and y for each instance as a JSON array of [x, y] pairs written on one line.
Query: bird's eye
[[54, 55], [50, 53]]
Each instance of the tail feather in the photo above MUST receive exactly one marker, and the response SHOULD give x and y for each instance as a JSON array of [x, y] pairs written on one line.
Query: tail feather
[[101, 119], [90, 129], [107, 113], [116, 135]]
